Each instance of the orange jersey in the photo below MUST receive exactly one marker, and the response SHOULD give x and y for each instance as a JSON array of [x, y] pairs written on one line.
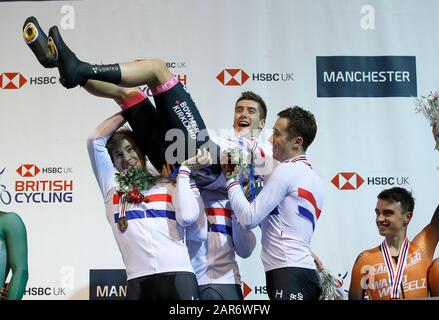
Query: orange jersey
[[370, 275], [433, 278]]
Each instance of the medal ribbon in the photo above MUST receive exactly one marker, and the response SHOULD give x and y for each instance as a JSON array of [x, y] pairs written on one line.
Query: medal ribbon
[[395, 273], [123, 205]]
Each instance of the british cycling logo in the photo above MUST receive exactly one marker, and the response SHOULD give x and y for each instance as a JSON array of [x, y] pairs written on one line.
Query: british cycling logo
[[38, 184]]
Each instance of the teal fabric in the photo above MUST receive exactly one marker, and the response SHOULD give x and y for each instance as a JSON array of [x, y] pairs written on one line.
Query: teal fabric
[[13, 254], [2, 261]]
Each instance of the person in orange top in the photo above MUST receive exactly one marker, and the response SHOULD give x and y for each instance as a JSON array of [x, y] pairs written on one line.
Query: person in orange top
[[396, 269], [433, 278]]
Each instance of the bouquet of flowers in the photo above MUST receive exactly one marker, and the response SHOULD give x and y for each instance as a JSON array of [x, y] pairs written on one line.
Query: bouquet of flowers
[[329, 286], [130, 181], [238, 163], [134, 177], [429, 107]]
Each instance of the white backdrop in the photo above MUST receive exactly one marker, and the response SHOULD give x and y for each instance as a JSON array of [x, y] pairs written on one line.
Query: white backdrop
[[43, 124]]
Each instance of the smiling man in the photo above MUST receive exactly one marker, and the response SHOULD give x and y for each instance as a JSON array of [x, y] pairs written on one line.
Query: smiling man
[[250, 114], [287, 209], [396, 269]]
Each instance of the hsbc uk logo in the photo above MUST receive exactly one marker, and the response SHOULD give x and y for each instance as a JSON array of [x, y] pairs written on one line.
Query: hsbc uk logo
[[232, 77], [32, 170], [237, 77], [347, 181], [28, 170], [12, 80], [353, 181], [16, 80]]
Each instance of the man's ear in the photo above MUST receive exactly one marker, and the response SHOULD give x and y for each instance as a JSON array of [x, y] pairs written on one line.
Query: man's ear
[[407, 217], [298, 141]]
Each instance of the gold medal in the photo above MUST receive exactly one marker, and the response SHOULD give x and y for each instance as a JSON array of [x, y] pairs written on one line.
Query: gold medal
[[122, 224]]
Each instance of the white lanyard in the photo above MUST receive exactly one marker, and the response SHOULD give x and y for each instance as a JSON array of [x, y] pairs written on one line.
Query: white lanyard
[[395, 273]]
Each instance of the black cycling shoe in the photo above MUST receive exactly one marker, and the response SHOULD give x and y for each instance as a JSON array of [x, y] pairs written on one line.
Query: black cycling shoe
[[36, 39], [69, 65]]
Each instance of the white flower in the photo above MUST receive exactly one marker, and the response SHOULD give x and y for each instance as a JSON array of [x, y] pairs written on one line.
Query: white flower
[[238, 159], [429, 107]]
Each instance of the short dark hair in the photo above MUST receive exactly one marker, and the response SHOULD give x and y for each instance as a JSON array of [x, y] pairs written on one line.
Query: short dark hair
[[401, 195], [300, 123], [250, 95], [116, 139]]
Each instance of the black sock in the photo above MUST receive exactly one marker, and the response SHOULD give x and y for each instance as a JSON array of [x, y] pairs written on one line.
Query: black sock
[[105, 72]]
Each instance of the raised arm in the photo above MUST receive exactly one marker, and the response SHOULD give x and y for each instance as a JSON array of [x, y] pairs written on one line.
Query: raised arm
[[428, 238], [187, 208], [99, 157]]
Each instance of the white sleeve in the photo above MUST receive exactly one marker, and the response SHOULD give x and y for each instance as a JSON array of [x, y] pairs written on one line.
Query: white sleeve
[[275, 189], [100, 159], [198, 231], [187, 208], [243, 240]]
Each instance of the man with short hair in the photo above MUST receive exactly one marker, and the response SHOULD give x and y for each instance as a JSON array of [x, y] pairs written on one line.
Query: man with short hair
[[152, 242], [250, 115], [396, 269], [287, 209], [214, 260]]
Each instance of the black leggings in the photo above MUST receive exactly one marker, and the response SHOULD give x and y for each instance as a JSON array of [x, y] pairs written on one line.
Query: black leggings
[[293, 283], [221, 292], [164, 286], [174, 109]]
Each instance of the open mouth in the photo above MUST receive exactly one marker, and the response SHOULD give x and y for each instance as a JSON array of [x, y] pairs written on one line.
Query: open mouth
[[244, 124]]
